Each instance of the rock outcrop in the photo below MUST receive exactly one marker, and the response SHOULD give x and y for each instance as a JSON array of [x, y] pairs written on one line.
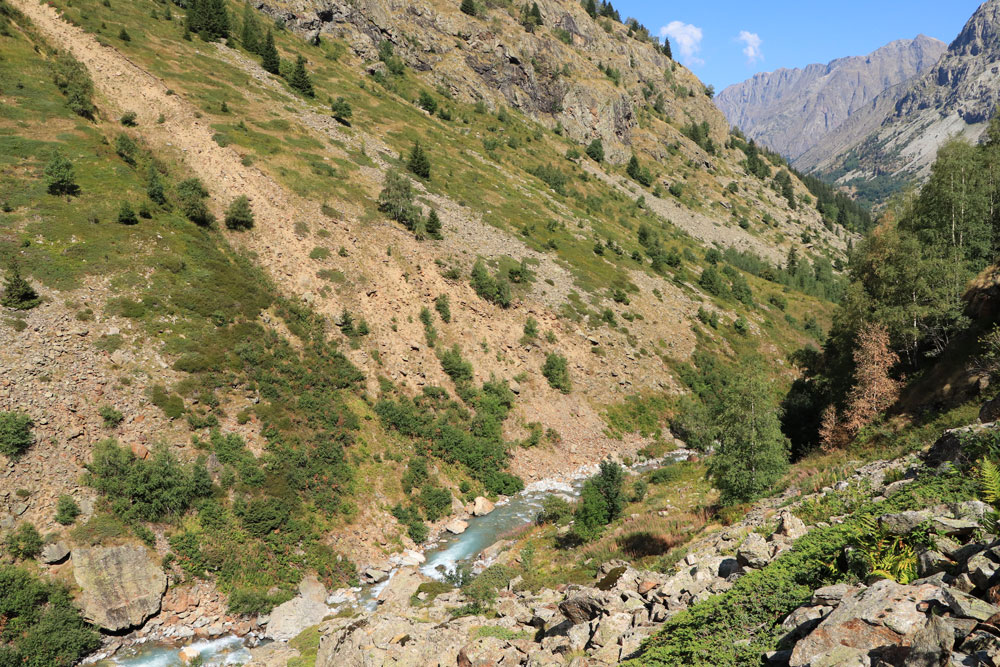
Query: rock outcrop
[[305, 609], [792, 110], [122, 587]]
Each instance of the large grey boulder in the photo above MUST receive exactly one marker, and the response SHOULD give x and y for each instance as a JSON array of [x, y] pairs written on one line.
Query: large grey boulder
[[306, 609], [754, 552], [122, 587], [55, 552], [580, 608], [886, 614]]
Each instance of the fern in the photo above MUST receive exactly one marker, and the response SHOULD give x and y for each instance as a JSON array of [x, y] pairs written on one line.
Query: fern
[[988, 476], [885, 555]]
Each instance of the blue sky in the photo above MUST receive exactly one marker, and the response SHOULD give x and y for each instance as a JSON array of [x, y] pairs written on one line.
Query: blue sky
[[729, 41]]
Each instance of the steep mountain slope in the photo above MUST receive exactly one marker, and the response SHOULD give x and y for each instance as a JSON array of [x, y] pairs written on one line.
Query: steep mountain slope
[[793, 110], [896, 138], [307, 370]]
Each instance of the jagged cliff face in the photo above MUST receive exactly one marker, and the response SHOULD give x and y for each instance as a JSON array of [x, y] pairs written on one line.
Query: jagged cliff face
[[793, 110], [497, 61], [955, 97]]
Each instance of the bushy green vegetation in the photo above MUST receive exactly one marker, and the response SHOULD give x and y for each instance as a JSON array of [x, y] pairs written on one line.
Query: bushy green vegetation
[[493, 288], [454, 432], [556, 371], [66, 510], [602, 500], [15, 434], [24, 542], [41, 626], [146, 490]]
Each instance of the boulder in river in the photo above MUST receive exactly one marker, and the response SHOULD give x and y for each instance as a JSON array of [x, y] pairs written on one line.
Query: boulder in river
[[305, 609], [456, 526], [482, 506], [122, 587]]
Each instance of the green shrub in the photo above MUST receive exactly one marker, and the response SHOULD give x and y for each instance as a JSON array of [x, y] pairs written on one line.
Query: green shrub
[[494, 289], [66, 510], [111, 416], [555, 509], [556, 371], [427, 102], [23, 542], [59, 176], [146, 490], [239, 215], [251, 602], [396, 200], [42, 627], [126, 148], [595, 150], [435, 501], [341, 110], [192, 194], [15, 434], [457, 368], [262, 516], [128, 119], [443, 306]]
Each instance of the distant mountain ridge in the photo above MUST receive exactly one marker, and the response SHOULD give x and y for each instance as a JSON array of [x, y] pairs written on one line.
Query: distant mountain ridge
[[897, 137], [792, 110]]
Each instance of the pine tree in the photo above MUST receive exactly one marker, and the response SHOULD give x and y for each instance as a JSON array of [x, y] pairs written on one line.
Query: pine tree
[[250, 35], [536, 14], [59, 176], [468, 7], [299, 79], [666, 48], [239, 215], [17, 292], [752, 453], [433, 225], [595, 151], [418, 164], [874, 390], [126, 216], [154, 187], [591, 8], [269, 58]]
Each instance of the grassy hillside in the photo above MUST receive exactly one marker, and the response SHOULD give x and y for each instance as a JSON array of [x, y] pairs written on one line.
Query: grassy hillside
[[297, 387]]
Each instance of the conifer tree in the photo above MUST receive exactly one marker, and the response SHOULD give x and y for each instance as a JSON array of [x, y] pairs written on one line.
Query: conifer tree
[[468, 7], [239, 215], [299, 79], [666, 48], [595, 151], [17, 292], [250, 34], [418, 164], [126, 216], [269, 58], [591, 8], [154, 187], [433, 225]]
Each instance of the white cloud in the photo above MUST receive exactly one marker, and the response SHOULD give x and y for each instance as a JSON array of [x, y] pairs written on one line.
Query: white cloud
[[686, 38], [751, 48]]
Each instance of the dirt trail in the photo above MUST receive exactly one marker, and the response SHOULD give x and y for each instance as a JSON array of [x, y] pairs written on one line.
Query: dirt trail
[[385, 286]]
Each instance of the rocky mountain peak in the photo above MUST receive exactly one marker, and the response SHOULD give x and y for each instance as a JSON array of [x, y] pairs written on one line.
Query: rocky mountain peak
[[792, 110]]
